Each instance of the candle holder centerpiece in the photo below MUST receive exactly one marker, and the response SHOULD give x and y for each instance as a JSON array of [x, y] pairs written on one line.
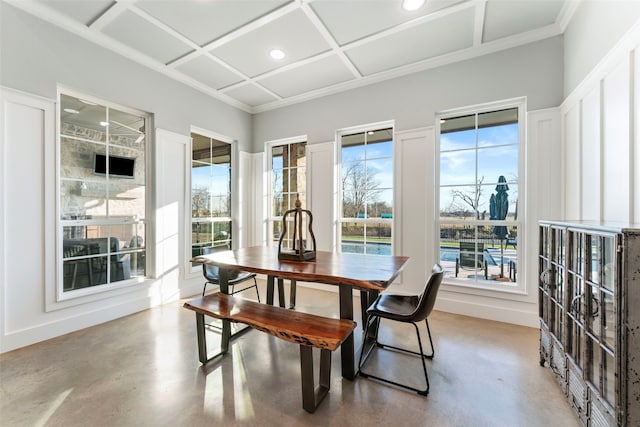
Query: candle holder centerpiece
[[299, 250]]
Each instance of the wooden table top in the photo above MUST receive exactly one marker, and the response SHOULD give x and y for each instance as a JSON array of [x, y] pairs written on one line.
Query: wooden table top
[[360, 271]]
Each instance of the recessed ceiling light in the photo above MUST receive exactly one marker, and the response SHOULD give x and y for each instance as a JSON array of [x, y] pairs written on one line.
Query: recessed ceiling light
[[104, 124], [71, 111], [412, 4], [276, 54]]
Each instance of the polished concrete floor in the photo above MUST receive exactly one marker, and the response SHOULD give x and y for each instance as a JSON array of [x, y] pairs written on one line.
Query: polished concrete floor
[[143, 370]]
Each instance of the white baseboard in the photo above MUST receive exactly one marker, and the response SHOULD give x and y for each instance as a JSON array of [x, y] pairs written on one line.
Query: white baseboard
[[42, 332], [514, 316], [511, 315]]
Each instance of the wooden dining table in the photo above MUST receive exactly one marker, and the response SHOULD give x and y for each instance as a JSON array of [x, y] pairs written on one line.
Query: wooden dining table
[[369, 274]]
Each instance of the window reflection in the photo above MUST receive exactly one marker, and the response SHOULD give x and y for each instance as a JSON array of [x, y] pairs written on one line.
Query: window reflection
[[102, 193]]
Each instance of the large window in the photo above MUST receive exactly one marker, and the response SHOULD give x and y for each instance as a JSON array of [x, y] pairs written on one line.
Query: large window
[[366, 189], [479, 155], [288, 164], [211, 225], [102, 194]]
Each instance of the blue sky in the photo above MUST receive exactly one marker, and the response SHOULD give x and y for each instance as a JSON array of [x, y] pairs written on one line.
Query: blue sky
[[496, 154]]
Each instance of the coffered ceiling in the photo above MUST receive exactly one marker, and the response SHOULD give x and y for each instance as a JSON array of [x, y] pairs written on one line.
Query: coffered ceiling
[[222, 47]]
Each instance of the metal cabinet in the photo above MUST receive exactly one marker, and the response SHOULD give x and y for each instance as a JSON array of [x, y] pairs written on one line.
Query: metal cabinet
[[589, 296]]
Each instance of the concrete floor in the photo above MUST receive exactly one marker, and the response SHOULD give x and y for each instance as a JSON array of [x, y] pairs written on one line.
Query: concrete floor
[[143, 370]]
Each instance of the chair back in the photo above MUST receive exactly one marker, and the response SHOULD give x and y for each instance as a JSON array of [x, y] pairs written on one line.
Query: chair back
[[428, 296], [211, 272]]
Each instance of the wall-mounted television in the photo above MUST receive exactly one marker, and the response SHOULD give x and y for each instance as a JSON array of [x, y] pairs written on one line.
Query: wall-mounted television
[[118, 166]]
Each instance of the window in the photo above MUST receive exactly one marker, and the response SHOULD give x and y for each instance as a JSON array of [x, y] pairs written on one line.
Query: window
[[288, 165], [211, 224], [102, 195], [479, 156], [366, 190]]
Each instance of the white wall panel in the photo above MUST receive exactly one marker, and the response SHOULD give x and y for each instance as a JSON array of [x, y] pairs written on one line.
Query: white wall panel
[[245, 186], [28, 308], [25, 122], [572, 166], [320, 166], [171, 155], [635, 172], [543, 185], [591, 156], [259, 198], [415, 167], [616, 144]]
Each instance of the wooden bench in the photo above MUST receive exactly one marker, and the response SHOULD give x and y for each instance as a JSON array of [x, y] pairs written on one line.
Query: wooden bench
[[305, 329]]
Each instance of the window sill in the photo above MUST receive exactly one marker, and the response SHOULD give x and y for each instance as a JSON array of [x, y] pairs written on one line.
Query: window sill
[[514, 291]]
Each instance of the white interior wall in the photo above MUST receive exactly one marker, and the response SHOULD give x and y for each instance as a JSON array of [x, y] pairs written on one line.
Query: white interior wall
[[36, 57], [320, 160], [534, 71], [594, 30], [29, 312], [601, 149]]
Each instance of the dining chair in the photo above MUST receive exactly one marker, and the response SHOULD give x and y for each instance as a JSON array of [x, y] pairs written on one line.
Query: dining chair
[[212, 275], [407, 309]]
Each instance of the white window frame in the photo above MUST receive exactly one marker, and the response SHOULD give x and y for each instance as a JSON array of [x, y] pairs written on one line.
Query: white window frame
[[339, 190], [195, 270], [481, 287], [92, 291], [270, 219]]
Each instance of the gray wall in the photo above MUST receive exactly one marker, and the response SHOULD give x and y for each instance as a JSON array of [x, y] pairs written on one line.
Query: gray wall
[[36, 56], [534, 70], [595, 29]]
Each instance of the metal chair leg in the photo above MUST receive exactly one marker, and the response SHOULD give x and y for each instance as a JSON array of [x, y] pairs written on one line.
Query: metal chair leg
[[255, 283], [364, 356]]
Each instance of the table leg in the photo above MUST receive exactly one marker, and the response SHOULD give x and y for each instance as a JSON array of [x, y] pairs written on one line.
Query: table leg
[[270, 286], [281, 292], [226, 325], [347, 347], [292, 295], [373, 327]]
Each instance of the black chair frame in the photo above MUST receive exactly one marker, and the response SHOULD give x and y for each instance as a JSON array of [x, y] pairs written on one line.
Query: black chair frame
[[423, 305], [241, 278], [210, 273], [364, 356]]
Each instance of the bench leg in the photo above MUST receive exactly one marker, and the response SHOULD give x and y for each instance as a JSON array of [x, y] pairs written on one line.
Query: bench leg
[[312, 396], [202, 339]]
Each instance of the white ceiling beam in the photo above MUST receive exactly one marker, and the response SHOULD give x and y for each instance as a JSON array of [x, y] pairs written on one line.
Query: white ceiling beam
[[253, 25], [442, 60], [566, 13], [410, 24], [478, 25], [324, 32], [48, 14], [108, 16]]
